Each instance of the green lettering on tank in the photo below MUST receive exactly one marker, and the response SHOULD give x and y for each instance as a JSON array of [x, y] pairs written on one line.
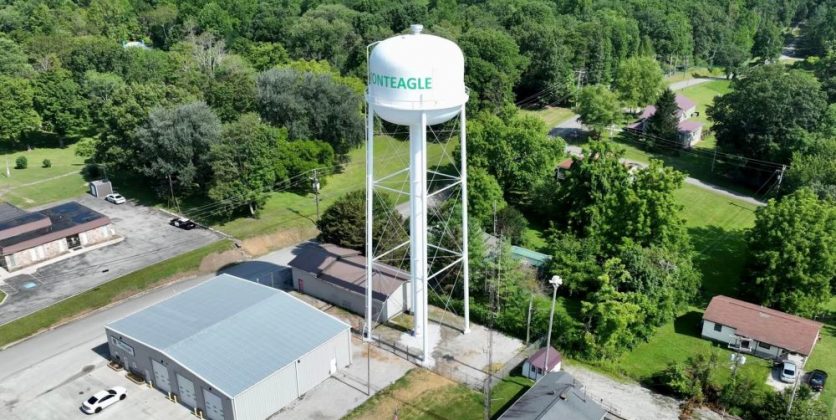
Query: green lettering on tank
[[394, 82]]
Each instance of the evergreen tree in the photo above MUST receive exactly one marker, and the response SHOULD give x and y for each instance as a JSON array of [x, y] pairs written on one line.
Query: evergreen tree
[[663, 125]]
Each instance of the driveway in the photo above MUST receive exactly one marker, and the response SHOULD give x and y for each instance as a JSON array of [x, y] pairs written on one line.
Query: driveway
[[148, 239]]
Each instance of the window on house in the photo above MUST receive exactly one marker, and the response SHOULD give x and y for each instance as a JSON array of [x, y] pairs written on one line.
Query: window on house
[[764, 346], [718, 327]]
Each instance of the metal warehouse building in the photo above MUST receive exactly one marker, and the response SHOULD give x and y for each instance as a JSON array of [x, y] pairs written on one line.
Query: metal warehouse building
[[232, 348], [338, 275]]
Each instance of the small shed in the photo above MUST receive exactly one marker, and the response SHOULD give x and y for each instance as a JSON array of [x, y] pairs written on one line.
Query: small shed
[[100, 188], [535, 366]]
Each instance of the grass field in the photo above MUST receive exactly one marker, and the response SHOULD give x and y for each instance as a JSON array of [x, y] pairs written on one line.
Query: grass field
[[107, 293], [551, 115], [693, 72], [286, 209], [824, 356], [421, 394], [37, 185]]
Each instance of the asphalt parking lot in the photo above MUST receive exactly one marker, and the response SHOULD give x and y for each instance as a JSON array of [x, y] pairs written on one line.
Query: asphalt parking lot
[[148, 239]]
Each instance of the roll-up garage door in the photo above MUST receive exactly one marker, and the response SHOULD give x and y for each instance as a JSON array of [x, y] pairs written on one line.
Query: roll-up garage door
[[161, 376], [186, 388], [214, 406]]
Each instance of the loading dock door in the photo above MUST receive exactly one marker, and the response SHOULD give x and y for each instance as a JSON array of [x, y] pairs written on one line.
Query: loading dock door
[[186, 388], [161, 376], [214, 406]]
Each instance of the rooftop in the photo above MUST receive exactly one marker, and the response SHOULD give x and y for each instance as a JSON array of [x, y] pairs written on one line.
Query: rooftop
[[9, 212], [538, 359], [689, 126], [766, 325], [682, 102], [347, 268], [556, 396], [231, 332], [534, 258], [64, 220]]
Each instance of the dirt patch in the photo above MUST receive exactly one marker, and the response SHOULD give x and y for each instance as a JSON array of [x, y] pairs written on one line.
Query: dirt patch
[[399, 397], [260, 245], [213, 262]]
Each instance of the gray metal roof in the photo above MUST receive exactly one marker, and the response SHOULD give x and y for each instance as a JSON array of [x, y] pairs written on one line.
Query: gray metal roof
[[556, 396], [231, 332]]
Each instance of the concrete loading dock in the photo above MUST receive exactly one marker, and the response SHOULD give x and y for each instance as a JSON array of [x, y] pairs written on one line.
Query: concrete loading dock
[[231, 348]]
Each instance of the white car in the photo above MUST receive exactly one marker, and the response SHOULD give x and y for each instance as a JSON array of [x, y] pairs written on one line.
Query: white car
[[115, 198], [788, 372], [104, 399]]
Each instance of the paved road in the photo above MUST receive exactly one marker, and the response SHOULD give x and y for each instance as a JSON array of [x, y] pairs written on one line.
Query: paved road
[[572, 128]]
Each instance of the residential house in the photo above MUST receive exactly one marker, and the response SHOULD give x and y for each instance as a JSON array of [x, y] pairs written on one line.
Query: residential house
[[757, 330], [690, 131]]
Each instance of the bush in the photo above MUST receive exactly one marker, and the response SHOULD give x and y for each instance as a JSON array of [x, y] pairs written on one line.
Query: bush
[[47, 163], [21, 162]]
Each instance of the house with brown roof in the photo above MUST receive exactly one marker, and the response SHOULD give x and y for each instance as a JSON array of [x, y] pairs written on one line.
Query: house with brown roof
[[337, 275], [28, 238], [758, 330]]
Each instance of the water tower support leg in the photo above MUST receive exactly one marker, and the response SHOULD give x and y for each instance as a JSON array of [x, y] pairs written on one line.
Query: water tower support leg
[[465, 231], [369, 218], [418, 223]]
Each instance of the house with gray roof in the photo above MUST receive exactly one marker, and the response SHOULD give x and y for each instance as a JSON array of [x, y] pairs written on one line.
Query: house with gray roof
[[337, 275], [230, 348], [556, 396]]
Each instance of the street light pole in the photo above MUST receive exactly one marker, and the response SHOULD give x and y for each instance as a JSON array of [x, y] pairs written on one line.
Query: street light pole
[[556, 281]]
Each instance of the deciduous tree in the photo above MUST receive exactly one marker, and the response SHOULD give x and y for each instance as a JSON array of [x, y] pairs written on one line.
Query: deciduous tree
[[598, 107], [17, 112]]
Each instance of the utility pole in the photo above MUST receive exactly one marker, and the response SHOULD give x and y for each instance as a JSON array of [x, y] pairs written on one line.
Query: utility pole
[[713, 159], [171, 190], [580, 75], [528, 322], [315, 187], [492, 297], [556, 281], [780, 178]]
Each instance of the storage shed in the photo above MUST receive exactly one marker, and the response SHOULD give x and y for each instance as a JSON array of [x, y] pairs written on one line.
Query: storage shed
[[232, 348], [338, 275], [535, 366]]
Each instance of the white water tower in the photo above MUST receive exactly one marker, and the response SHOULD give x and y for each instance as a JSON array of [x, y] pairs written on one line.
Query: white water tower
[[415, 80]]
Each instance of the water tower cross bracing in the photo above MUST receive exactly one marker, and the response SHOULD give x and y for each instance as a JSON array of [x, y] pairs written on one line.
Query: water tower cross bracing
[[416, 80]]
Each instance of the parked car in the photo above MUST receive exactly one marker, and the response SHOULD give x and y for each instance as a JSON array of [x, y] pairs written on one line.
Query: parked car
[[115, 198], [817, 379], [183, 223], [103, 399], [789, 372]]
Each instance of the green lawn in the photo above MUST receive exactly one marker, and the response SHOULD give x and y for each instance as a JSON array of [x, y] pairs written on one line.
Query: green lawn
[[692, 73], [286, 209], [107, 293], [421, 395], [37, 185], [824, 356], [551, 115]]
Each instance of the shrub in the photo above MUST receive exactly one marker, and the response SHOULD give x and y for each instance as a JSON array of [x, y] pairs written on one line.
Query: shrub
[[47, 163], [21, 162]]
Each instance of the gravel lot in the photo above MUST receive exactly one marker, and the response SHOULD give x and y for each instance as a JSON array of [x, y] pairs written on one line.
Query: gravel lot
[[148, 239]]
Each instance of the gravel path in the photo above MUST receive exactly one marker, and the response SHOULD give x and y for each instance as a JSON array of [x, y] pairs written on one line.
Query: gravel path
[[628, 400]]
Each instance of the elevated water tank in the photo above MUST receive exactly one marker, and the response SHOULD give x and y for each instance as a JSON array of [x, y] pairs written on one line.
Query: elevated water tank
[[413, 73]]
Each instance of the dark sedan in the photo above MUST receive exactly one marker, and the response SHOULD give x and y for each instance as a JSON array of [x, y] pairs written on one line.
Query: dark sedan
[[817, 379]]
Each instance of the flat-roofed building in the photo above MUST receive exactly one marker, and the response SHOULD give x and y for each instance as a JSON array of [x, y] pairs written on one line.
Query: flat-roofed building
[[28, 238]]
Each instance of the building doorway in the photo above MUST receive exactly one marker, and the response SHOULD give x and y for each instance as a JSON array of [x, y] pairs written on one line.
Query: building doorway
[[73, 242]]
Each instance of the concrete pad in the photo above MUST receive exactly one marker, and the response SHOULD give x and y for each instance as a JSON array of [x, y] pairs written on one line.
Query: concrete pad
[[149, 239], [338, 395]]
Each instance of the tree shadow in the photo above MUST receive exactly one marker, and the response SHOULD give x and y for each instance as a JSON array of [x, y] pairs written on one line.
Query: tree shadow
[[720, 256], [688, 324]]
